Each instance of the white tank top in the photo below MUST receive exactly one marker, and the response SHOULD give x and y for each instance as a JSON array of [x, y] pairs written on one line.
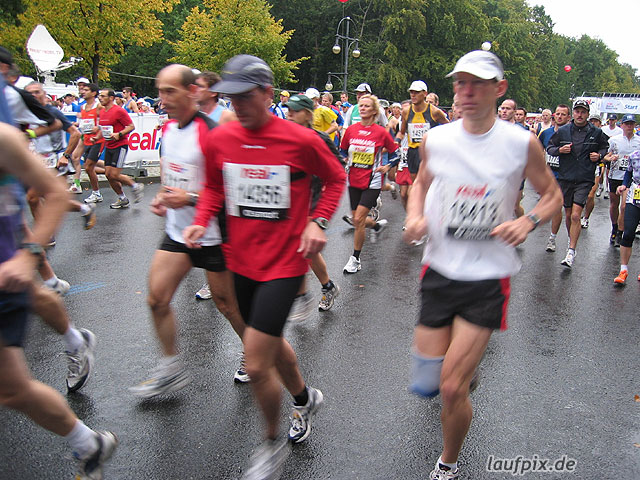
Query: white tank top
[[476, 183]]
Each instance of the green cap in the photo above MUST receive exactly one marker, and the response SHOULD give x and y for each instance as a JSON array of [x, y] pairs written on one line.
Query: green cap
[[300, 102]]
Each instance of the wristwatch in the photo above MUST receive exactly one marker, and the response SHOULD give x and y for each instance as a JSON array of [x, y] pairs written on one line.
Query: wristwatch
[[322, 222], [34, 249], [67, 156], [193, 198], [535, 219]]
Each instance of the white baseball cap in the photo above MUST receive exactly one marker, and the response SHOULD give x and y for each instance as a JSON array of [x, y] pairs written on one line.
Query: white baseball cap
[[312, 93], [418, 86], [363, 87], [83, 80], [485, 65]]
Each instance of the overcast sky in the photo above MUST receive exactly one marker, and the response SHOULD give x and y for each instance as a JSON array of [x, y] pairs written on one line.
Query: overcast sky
[[598, 19]]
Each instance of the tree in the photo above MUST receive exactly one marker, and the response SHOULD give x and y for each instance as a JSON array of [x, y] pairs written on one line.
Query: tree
[[225, 28], [97, 30]]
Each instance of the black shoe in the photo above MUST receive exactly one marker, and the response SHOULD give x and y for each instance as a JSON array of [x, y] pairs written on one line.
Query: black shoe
[[616, 242], [612, 239]]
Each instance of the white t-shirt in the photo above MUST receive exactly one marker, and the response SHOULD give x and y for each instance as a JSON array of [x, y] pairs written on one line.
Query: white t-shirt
[[476, 183], [623, 147], [611, 133]]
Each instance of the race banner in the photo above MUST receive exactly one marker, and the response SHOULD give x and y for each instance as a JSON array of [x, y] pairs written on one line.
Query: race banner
[[620, 105]]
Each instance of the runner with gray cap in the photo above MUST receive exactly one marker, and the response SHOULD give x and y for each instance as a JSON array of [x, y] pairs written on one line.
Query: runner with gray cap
[[464, 200], [260, 169]]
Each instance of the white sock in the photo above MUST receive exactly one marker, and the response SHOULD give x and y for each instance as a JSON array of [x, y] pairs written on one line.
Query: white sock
[[122, 196], [624, 268], [96, 192], [451, 466], [74, 340], [169, 360], [51, 282], [82, 439], [553, 235], [573, 250], [84, 209]]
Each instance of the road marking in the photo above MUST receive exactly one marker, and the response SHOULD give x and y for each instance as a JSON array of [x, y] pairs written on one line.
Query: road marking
[[85, 287]]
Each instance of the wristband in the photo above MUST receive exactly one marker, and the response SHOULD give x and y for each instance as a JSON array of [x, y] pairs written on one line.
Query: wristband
[[30, 133], [535, 219]]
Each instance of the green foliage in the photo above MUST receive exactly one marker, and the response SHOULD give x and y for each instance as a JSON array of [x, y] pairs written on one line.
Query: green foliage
[[224, 28]]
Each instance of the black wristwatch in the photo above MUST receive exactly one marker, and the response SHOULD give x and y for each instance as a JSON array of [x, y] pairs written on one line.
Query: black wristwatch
[[322, 222], [193, 198], [535, 219], [67, 156]]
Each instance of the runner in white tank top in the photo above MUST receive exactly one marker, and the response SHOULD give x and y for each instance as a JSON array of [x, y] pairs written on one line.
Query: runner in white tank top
[[463, 196]]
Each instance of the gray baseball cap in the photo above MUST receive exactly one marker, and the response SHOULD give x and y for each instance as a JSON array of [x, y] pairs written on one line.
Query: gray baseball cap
[[243, 73], [485, 65]]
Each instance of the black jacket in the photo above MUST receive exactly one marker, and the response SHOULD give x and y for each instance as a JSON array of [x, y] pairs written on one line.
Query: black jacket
[[576, 166]]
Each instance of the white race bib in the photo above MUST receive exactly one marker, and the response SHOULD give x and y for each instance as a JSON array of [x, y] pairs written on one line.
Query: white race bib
[[623, 163], [86, 125], [50, 160], [553, 162], [180, 175], [417, 131], [471, 212], [261, 192], [107, 131]]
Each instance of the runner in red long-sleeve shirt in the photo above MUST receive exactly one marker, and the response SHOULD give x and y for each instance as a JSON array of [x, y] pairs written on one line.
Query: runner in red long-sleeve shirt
[[260, 170]]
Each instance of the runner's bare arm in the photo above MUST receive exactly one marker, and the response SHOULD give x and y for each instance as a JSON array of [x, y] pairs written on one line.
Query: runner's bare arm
[[439, 116], [227, 116], [538, 173], [403, 127], [415, 223]]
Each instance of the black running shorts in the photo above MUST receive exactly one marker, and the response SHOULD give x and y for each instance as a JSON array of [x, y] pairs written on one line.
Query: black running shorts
[[114, 157], [210, 258], [265, 305], [14, 310], [483, 302], [413, 159], [575, 192], [613, 185], [367, 198], [92, 152]]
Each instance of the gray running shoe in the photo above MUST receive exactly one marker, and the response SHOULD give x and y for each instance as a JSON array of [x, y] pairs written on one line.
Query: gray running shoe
[[267, 461], [80, 363], [204, 293], [120, 203], [348, 219], [138, 192], [302, 416], [164, 379], [90, 217], [301, 308], [551, 245], [328, 297], [90, 467], [241, 375]]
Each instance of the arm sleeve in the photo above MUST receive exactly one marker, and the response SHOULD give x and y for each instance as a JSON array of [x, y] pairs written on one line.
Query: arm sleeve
[[554, 147], [604, 144], [212, 195], [628, 175]]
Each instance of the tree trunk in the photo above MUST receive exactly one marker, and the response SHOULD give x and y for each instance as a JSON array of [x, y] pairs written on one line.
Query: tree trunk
[[94, 68]]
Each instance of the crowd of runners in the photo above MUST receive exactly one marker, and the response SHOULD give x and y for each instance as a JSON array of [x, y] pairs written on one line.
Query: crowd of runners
[[249, 187]]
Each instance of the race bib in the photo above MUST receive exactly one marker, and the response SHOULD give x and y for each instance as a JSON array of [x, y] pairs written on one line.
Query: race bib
[[86, 125], [417, 131], [162, 119], [261, 192], [362, 157], [180, 175], [623, 163], [471, 212], [50, 160], [553, 162], [107, 131]]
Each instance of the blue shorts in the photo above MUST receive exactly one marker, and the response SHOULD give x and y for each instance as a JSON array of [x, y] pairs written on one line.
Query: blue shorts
[[14, 310]]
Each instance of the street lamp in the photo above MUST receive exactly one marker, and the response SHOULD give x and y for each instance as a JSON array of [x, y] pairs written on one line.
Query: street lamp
[[350, 44]]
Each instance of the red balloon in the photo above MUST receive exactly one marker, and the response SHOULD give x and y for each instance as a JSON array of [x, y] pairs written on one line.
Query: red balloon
[[567, 68]]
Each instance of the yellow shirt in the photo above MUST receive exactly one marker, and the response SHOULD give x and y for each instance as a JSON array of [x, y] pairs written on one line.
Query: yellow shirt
[[323, 117]]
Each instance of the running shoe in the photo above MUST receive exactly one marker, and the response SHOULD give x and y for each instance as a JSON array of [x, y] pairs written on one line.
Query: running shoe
[[638, 230], [328, 297], [348, 219], [51, 243], [120, 203], [621, 279], [353, 265], [606, 194], [164, 379], [616, 242], [568, 260], [551, 245], [373, 235], [61, 287], [90, 467], [584, 222], [267, 461], [599, 190], [94, 198], [439, 474], [75, 189], [80, 363], [204, 293], [475, 381], [90, 217], [394, 192], [138, 192], [241, 375], [301, 308], [301, 417]]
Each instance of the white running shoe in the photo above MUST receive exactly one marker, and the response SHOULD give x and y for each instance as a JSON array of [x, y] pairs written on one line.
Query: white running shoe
[[204, 293], [373, 234], [90, 466], [80, 363], [584, 222], [241, 375], [94, 198], [438, 474], [75, 189], [551, 245], [163, 379], [61, 287], [267, 461], [353, 265], [328, 297], [568, 260], [138, 192], [301, 308], [302, 416]]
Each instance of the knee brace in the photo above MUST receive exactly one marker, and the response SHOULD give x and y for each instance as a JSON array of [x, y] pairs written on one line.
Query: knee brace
[[425, 375]]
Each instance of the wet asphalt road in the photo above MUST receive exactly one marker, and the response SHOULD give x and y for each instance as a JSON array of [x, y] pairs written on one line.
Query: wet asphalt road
[[560, 382]]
